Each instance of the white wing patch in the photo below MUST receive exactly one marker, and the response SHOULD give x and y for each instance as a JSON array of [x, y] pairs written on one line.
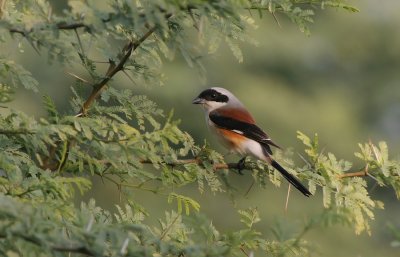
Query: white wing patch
[[238, 131]]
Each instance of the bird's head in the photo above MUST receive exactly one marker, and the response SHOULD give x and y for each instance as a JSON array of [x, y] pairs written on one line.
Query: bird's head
[[214, 98]]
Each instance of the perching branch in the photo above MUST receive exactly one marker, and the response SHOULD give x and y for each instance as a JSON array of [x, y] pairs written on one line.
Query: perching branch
[[60, 26], [216, 166], [238, 166]]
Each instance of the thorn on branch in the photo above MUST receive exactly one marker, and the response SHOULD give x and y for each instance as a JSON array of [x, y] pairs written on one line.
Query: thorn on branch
[[124, 247], [77, 77], [276, 19], [90, 224], [287, 198]]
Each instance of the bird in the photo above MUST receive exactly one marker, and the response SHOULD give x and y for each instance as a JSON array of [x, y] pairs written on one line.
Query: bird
[[236, 128]]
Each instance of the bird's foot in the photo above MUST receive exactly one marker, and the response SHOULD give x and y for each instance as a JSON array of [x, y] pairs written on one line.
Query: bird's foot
[[241, 165]]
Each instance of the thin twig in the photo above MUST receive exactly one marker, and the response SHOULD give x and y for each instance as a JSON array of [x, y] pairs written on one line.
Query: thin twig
[[79, 41], [376, 180], [129, 77], [250, 187], [77, 77], [120, 185], [165, 232], [287, 198], [361, 173], [276, 19], [372, 148], [243, 250]]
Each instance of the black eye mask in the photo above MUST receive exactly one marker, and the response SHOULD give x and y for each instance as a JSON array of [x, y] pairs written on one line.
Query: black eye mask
[[213, 95]]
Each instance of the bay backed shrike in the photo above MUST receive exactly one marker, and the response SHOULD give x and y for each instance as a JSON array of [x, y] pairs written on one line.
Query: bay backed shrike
[[237, 129]]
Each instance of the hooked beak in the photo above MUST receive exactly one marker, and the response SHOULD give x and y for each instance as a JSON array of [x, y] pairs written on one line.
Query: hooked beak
[[198, 101]]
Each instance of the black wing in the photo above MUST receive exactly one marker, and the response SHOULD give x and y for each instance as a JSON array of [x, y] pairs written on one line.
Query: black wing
[[248, 130]]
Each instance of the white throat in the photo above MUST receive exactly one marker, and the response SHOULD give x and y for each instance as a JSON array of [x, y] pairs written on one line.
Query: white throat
[[211, 106]]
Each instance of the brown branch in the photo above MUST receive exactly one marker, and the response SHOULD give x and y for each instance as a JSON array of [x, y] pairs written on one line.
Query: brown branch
[[243, 250], [60, 26], [362, 173], [19, 31], [99, 86], [216, 166], [66, 26], [234, 166], [247, 166], [73, 26], [114, 69]]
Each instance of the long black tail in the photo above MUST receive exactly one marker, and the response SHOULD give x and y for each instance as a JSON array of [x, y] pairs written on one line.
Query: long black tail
[[289, 177]]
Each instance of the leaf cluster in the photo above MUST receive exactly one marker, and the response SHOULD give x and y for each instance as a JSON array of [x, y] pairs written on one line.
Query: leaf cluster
[[127, 140]]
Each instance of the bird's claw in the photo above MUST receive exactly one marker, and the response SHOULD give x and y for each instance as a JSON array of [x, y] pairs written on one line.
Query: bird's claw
[[241, 165]]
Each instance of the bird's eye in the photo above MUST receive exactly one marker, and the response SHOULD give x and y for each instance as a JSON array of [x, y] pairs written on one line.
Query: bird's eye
[[214, 95]]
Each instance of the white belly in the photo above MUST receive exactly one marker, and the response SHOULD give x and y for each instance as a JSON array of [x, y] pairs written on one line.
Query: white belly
[[253, 148]]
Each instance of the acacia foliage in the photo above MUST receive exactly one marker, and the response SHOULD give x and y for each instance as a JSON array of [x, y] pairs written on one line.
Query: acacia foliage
[[127, 140]]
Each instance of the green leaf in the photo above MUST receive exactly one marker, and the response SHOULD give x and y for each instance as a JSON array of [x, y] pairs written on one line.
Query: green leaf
[[184, 202], [51, 109], [249, 217]]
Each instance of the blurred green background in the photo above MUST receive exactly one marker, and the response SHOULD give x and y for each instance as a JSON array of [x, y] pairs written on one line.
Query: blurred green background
[[342, 82]]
